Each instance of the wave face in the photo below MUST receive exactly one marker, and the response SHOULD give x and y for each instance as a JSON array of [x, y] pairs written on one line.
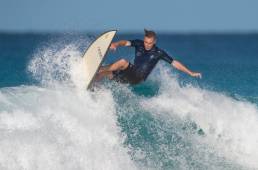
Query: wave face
[[167, 122]]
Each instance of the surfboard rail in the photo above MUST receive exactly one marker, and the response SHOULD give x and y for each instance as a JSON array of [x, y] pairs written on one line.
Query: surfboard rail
[[95, 54]]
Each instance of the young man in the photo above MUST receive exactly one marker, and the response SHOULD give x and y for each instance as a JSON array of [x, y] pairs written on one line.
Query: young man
[[147, 55]]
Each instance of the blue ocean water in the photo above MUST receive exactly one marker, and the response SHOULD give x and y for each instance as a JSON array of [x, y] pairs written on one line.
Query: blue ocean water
[[171, 121]]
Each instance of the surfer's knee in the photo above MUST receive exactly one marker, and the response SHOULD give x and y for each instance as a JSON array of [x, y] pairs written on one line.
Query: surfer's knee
[[123, 63]]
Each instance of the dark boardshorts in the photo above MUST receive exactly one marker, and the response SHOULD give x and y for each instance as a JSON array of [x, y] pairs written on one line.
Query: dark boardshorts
[[129, 75]]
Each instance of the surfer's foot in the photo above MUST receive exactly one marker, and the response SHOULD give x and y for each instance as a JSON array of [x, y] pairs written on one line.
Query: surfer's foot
[[103, 68], [100, 75], [110, 76]]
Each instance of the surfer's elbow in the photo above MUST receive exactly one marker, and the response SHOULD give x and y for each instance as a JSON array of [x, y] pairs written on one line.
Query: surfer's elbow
[[127, 43]]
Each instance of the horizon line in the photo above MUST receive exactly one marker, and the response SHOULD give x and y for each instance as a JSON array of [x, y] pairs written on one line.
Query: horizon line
[[124, 32]]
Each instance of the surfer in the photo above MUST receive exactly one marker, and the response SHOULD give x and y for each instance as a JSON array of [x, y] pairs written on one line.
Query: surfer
[[147, 55]]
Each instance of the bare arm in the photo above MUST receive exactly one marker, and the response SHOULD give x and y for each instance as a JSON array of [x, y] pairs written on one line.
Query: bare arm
[[114, 45], [182, 68]]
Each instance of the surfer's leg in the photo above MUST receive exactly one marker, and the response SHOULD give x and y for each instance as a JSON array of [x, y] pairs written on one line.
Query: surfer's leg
[[118, 65], [101, 75], [121, 64]]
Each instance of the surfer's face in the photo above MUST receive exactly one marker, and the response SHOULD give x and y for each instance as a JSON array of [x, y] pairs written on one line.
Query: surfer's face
[[149, 42]]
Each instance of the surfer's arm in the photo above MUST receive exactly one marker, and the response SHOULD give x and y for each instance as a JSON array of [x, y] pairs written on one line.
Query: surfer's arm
[[114, 45], [182, 68]]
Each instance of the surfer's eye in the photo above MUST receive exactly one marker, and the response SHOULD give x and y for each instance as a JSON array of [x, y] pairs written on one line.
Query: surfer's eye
[[148, 43]]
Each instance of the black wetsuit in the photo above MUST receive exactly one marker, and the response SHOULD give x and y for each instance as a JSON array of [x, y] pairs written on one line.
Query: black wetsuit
[[144, 62]]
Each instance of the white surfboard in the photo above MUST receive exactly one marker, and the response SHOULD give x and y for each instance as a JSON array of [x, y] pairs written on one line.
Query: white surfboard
[[95, 54]]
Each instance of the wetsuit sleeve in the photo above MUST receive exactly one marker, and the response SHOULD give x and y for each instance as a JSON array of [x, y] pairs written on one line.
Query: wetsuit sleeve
[[164, 56], [136, 43]]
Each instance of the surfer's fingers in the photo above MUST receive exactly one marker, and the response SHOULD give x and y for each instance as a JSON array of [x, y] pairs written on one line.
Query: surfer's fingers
[[199, 75], [113, 46]]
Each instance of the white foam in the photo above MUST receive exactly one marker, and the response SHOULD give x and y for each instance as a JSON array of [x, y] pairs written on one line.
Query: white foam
[[60, 129], [230, 125], [51, 66]]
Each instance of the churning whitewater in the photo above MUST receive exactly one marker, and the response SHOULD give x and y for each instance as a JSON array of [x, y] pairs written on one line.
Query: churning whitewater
[[56, 124]]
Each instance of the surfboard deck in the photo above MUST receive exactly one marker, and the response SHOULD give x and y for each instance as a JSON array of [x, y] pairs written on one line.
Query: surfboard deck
[[95, 54]]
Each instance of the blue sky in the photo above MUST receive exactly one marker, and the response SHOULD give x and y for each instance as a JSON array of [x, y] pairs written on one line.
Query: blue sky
[[131, 15]]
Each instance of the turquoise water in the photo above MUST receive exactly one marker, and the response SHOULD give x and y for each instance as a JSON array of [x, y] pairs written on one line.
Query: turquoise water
[[171, 121]]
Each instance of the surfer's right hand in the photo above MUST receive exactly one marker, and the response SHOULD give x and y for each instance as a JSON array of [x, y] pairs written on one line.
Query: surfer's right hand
[[113, 46], [198, 75]]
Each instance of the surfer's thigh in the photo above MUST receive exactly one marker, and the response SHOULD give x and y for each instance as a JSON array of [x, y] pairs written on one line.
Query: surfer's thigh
[[129, 75], [121, 64]]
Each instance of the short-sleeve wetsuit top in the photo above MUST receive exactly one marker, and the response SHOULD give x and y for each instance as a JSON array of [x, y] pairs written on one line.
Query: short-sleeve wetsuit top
[[144, 62]]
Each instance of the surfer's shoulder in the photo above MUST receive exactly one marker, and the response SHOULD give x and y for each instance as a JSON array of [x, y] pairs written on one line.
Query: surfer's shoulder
[[136, 42], [160, 51]]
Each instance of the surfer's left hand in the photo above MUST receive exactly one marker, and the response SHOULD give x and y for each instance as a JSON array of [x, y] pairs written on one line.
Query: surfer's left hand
[[113, 46]]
